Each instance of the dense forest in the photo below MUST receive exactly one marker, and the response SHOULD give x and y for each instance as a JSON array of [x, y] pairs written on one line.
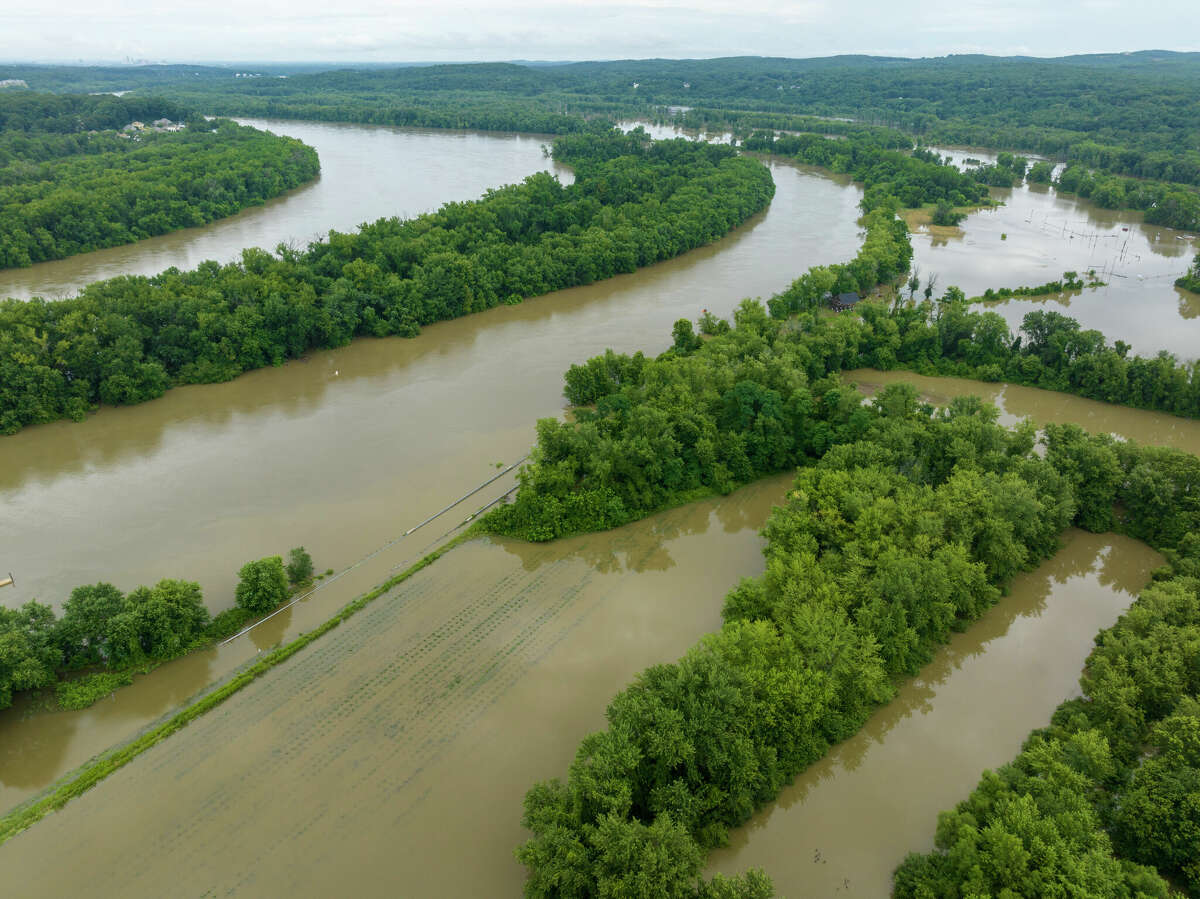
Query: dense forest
[[1128, 114], [129, 339], [71, 180]]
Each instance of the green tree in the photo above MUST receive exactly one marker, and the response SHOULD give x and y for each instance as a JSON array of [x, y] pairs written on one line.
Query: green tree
[[299, 566], [262, 586]]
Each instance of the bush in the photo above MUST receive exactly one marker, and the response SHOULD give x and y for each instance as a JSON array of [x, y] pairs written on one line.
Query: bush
[[299, 566]]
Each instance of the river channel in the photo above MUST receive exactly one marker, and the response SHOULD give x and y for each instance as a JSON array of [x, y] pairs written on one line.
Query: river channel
[[391, 756]]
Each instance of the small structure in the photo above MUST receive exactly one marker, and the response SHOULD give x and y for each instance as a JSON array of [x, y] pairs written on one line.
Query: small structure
[[844, 301]]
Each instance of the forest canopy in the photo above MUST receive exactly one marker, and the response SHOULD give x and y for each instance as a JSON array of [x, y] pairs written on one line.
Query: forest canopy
[[129, 339], [78, 173]]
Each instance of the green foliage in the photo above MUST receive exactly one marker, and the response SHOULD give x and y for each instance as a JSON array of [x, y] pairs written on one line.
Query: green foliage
[[129, 339], [82, 692], [1084, 807], [28, 651], [1191, 280], [299, 566], [67, 188], [262, 585], [901, 533]]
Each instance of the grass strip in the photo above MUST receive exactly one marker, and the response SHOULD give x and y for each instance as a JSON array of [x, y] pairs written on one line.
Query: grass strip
[[91, 773]]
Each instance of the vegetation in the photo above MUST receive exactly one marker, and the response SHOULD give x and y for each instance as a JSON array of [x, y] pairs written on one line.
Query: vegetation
[[1108, 792], [299, 566], [129, 339], [1069, 281], [262, 585], [104, 636], [705, 418], [906, 528], [888, 176], [1191, 279], [95, 770], [71, 181]]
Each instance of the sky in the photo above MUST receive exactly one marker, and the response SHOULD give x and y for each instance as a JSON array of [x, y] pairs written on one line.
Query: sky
[[477, 30]]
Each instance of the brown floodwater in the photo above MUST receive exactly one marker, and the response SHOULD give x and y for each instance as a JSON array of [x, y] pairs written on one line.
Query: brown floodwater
[[1044, 407], [391, 757], [374, 756], [1037, 234], [846, 822], [340, 452], [366, 174]]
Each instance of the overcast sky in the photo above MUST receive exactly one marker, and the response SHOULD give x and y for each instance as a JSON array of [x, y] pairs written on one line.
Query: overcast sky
[[381, 31]]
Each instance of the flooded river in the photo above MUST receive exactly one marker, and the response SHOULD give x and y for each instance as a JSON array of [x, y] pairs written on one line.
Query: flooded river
[[372, 759], [366, 174], [342, 451]]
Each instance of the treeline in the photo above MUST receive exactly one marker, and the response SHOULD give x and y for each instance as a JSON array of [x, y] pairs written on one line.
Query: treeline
[[129, 339], [1104, 800], [1161, 203], [744, 125], [127, 188], [110, 635], [35, 114], [1191, 278], [1069, 281], [724, 421], [1050, 351], [888, 175]]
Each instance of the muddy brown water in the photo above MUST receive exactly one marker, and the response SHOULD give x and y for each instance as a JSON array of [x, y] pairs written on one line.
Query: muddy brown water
[[342, 451], [391, 757], [845, 824], [1038, 233], [373, 757]]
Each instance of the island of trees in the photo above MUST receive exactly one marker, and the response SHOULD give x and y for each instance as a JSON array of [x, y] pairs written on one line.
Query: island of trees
[[129, 339], [79, 173]]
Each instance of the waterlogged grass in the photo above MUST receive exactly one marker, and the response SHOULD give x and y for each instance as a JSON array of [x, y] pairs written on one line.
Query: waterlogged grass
[[85, 691], [90, 774]]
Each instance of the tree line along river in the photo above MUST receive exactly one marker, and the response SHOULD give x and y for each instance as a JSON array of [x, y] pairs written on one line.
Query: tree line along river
[[435, 710]]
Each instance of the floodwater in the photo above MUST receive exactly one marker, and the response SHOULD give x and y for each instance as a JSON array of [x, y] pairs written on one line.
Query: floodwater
[[846, 822], [1038, 234], [391, 757], [343, 451], [376, 755], [1044, 407], [366, 174]]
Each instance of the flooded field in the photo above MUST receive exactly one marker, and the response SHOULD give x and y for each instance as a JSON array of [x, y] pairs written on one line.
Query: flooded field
[[391, 757]]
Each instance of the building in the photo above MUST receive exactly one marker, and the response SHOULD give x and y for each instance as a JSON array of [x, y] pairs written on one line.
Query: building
[[844, 301]]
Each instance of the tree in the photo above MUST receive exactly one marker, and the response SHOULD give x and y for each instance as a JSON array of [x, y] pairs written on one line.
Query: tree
[[84, 631], [262, 586], [299, 566]]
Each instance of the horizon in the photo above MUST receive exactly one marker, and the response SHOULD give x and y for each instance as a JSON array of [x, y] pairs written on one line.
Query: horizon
[[209, 32]]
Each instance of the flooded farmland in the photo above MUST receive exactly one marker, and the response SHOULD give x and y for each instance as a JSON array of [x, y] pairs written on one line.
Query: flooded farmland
[[375, 756]]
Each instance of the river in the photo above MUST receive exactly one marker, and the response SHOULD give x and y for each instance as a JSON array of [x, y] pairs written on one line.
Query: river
[[344, 450], [392, 754]]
